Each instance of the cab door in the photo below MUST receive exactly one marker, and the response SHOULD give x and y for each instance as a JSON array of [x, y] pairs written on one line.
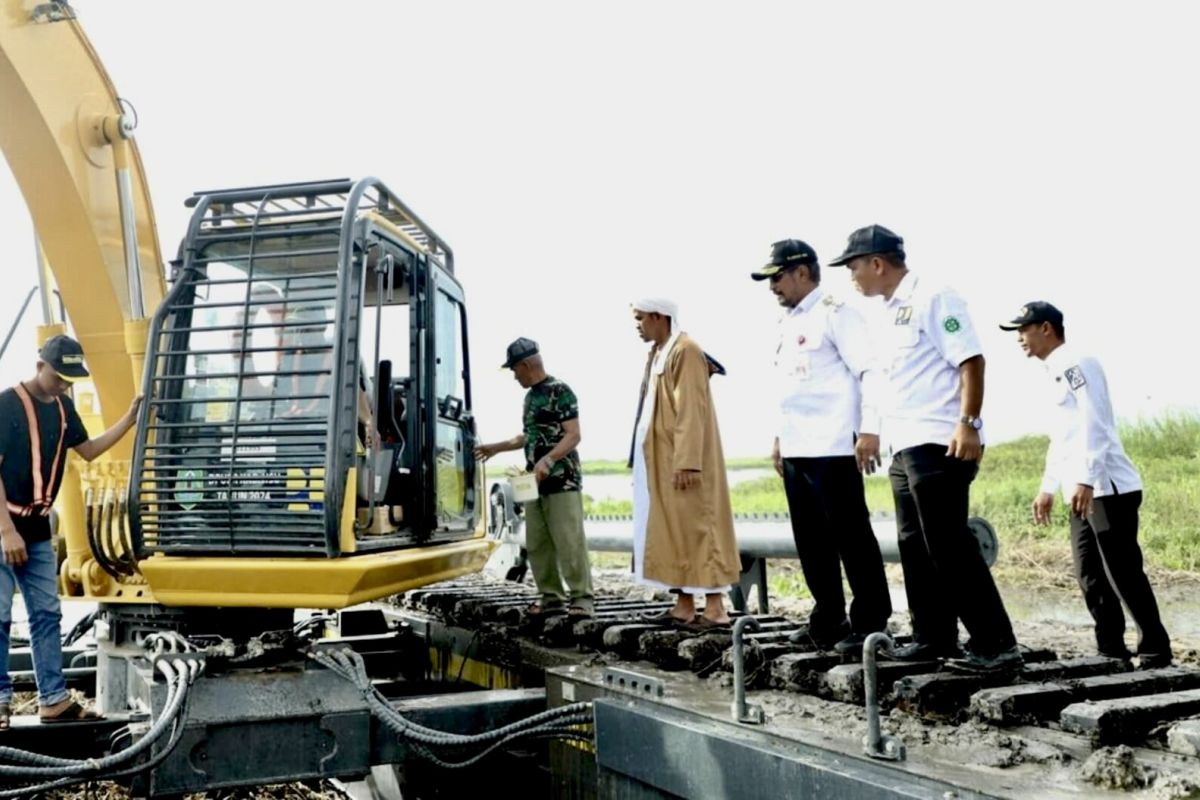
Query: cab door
[[450, 460]]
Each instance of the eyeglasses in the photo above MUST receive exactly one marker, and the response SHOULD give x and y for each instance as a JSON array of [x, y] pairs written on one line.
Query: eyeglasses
[[778, 276]]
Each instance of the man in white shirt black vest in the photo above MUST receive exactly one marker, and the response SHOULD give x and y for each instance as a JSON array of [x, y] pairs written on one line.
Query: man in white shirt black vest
[[933, 363], [822, 355], [1101, 486]]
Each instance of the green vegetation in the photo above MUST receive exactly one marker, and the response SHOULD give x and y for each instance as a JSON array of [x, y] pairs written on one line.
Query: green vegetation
[[1166, 451]]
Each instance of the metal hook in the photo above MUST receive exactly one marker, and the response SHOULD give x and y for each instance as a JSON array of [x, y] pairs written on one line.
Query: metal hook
[[877, 744], [746, 714]]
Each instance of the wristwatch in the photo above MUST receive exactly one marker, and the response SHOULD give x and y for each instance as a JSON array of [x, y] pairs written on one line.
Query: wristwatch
[[974, 422]]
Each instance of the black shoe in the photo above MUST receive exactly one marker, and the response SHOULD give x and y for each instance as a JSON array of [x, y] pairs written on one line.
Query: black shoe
[[1009, 660], [1154, 661], [1112, 652], [920, 651], [805, 638], [852, 644]]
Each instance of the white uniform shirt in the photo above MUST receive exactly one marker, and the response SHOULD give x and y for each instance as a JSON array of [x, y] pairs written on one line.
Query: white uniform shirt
[[824, 349], [1084, 445], [923, 334]]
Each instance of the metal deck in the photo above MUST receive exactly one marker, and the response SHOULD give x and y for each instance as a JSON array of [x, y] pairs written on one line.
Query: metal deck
[[1020, 735]]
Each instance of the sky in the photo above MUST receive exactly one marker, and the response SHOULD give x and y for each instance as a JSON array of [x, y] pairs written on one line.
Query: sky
[[578, 156]]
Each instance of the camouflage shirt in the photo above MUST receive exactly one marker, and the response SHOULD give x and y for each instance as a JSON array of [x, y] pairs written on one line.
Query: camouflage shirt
[[547, 406]]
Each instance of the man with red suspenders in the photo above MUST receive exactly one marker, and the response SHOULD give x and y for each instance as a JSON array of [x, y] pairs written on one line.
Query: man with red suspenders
[[38, 423]]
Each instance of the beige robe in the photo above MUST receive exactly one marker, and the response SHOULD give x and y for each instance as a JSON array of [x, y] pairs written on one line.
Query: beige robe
[[689, 533]]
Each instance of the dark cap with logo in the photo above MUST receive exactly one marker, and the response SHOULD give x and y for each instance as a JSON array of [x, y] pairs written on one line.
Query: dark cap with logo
[[1034, 313], [786, 254], [518, 351], [65, 356], [869, 241]]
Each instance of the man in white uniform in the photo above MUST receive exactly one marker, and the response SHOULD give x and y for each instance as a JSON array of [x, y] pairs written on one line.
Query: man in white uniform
[[933, 363], [1100, 485], [822, 355]]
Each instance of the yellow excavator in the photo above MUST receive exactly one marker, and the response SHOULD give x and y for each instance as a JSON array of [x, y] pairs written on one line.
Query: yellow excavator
[[306, 440]]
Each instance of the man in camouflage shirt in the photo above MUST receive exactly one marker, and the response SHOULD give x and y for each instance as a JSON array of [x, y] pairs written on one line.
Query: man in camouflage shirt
[[554, 535]]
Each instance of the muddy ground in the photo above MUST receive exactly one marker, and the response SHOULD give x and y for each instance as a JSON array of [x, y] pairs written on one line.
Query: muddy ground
[[1047, 612], [1046, 608]]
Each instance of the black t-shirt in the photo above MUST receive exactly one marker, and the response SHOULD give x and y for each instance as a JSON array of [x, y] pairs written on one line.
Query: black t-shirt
[[17, 468]]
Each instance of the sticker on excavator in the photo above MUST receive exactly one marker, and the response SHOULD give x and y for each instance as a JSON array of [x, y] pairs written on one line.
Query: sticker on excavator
[[216, 412], [189, 488], [306, 489], [256, 449]]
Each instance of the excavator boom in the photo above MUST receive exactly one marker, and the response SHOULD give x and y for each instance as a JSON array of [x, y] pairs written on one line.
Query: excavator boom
[[68, 141]]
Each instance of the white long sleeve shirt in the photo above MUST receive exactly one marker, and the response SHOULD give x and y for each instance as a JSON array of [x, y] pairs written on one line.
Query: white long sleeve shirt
[[824, 350], [923, 334], [1084, 445]]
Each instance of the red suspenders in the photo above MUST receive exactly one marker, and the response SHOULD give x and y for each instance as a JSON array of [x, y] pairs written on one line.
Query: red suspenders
[[41, 491]]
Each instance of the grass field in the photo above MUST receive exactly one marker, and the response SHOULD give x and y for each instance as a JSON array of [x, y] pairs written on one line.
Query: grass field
[[1166, 451]]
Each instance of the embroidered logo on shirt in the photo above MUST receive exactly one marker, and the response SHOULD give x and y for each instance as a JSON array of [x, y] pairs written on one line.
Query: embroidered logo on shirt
[[952, 325], [1074, 376], [903, 315]]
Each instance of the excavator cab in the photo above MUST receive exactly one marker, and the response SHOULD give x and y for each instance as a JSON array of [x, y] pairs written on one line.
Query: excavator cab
[[308, 398]]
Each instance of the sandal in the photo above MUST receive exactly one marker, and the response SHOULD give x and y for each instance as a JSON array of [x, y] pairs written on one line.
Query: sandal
[[72, 713], [536, 610], [664, 618], [5, 717], [703, 623], [577, 612]]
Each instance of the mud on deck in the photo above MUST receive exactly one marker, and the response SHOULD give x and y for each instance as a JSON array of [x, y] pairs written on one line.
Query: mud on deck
[[1066, 724]]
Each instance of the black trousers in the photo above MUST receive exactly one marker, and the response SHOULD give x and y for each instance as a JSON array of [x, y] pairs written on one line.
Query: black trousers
[[831, 524], [1108, 565], [945, 576]]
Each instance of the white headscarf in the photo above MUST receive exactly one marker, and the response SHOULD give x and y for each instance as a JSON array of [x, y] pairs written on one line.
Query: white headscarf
[[660, 305], [668, 308]]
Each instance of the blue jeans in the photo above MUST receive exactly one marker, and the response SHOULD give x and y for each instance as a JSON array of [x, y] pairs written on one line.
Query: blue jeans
[[38, 578]]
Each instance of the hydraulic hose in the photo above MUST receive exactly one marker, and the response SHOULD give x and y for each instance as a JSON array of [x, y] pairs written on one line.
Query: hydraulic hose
[[566, 722], [178, 674]]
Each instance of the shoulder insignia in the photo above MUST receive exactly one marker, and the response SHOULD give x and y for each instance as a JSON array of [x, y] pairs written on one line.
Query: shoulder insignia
[[832, 302], [1074, 376], [904, 315]]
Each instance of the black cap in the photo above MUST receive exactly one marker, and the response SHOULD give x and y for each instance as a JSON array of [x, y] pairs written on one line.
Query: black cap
[[520, 350], [1034, 313], [869, 241], [65, 356], [786, 254]]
